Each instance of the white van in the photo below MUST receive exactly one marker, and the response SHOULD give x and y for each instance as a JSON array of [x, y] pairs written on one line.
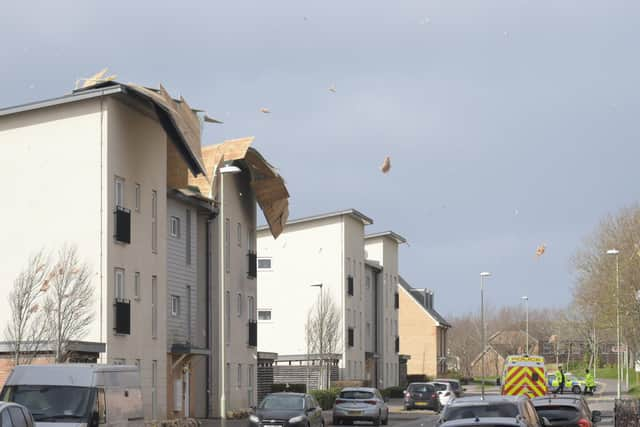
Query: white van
[[78, 395]]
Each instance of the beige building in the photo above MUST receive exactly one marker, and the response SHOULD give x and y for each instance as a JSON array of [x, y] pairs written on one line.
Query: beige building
[[360, 274], [423, 332], [118, 171]]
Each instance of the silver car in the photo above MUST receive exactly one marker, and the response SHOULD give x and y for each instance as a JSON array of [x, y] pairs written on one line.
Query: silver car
[[360, 404]]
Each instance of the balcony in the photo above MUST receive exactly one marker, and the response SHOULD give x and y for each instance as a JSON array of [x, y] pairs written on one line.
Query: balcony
[[396, 302], [122, 320], [122, 227], [252, 259], [350, 337], [253, 333], [350, 285], [397, 344]]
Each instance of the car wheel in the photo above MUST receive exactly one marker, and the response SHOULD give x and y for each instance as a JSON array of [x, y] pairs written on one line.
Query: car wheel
[[575, 389], [385, 420], [378, 420]]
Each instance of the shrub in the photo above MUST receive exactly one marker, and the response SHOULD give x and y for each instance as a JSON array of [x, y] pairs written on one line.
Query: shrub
[[417, 378], [293, 388], [326, 398], [393, 392]]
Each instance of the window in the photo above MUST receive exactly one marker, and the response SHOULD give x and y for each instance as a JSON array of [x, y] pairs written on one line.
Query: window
[[239, 305], [350, 337], [264, 263], [118, 189], [227, 244], [101, 403], [250, 375], [138, 196], [154, 389], [368, 283], [251, 308], [119, 361], [175, 305], [154, 307], [250, 240], [239, 234], [350, 285], [188, 237], [136, 285], [119, 283], [154, 222], [227, 310], [239, 383], [175, 227], [189, 314], [264, 314]]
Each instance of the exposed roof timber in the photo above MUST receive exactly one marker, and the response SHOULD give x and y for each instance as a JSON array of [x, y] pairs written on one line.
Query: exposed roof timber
[[390, 234]]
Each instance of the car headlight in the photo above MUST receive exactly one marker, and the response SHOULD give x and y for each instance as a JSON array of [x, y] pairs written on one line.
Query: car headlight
[[297, 419], [254, 419]]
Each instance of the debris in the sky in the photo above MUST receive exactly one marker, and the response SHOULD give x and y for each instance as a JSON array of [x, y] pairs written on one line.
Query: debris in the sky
[[540, 250], [265, 110], [332, 88], [306, 19], [32, 86], [386, 165], [210, 119], [506, 34], [516, 212], [425, 21]]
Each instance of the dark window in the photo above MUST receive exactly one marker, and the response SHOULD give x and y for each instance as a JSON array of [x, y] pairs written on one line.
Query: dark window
[[557, 413], [493, 410], [350, 285], [350, 337], [397, 344], [123, 224], [17, 417], [253, 333], [421, 388], [187, 235], [396, 303], [123, 317], [253, 265], [356, 394], [264, 263]]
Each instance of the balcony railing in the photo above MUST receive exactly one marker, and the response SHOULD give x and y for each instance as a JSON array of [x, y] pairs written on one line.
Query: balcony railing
[[253, 333], [252, 259], [350, 285], [122, 321], [122, 218]]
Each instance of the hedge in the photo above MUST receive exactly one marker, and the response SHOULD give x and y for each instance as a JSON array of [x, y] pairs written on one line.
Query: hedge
[[393, 392], [326, 398]]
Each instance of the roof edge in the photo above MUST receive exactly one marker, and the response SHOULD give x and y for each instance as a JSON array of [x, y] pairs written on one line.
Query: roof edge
[[390, 234], [354, 213]]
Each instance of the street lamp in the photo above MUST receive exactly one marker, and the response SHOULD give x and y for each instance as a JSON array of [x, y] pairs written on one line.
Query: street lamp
[[483, 275], [526, 309], [228, 169], [616, 252], [319, 285]]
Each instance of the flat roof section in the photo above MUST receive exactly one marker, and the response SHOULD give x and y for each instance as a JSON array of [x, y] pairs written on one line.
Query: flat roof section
[[354, 213], [390, 234]]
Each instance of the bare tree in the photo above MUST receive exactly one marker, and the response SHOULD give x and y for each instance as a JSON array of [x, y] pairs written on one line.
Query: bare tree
[[26, 331], [68, 303], [322, 328]]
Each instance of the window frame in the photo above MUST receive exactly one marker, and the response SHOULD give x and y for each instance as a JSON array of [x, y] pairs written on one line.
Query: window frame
[[138, 197], [118, 191], [136, 286], [239, 234], [119, 286], [175, 305], [174, 226], [239, 304], [154, 221], [265, 310], [265, 258]]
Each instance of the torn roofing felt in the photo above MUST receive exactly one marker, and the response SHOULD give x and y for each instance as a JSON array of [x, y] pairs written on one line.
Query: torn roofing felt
[[178, 120], [269, 187]]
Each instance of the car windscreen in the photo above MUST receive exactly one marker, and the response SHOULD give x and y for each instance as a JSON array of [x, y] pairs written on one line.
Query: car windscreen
[[558, 412], [421, 388], [475, 424], [440, 386], [356, 394], [52, 403], [491, 410], [289, 403]]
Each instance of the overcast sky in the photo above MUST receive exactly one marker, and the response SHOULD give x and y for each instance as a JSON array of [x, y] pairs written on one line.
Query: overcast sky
[[510, 123]]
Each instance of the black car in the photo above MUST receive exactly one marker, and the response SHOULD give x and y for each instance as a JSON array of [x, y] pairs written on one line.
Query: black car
[[516, 408], [422, 396], [566, 411], [287, 410]]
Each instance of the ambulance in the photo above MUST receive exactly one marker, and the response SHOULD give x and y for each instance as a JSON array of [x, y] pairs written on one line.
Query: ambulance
[[524, 375]]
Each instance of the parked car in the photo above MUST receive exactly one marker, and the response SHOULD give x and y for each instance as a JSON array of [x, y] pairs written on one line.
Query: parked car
[[572, 383], [287, 409], [457, 389], [445, 393], [15, 415], [73, 394], [566, 411], [423, 396], [486, 422], [515, 408], [360, 404]]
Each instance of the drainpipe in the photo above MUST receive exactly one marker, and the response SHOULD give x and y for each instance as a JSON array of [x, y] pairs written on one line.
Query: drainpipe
[[208, 312]]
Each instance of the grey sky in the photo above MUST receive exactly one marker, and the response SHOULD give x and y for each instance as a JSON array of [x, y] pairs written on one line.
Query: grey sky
[[486, 107]]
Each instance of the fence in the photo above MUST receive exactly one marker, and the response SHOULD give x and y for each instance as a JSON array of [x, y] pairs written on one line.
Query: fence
[[627, 413]]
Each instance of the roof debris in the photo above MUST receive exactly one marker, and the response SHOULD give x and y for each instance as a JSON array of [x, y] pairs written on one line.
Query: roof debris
[[386, 165], [210, 119], [540, 250], [265, 110], [332, 88], [98, 77]]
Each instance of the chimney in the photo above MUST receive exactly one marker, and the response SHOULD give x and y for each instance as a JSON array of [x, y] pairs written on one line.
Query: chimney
[[431, 300]]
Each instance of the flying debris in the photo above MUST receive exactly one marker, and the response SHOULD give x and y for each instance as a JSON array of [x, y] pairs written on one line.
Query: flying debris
[[425, 21], [210, 119], [540, 250], [516, 212], [332, 88], [265, 110], [386, 165], [99, 77]]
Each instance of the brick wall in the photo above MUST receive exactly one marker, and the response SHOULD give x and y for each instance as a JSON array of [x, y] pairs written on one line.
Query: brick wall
[[6, 365]]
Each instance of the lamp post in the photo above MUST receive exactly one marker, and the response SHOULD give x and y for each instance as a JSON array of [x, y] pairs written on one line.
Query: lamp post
[[526, 309], [483, 275], [616, 252], [228, 169], [319, 285]]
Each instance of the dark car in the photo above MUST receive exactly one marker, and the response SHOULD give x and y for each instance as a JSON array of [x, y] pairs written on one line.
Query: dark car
[[287, 409], [486, 422], [517, 408], [421, 395], [14, 415], [455, 386], [566, 411]]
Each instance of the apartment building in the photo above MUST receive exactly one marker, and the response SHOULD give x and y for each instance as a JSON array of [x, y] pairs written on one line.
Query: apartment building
[[119, 172], [331, 250]]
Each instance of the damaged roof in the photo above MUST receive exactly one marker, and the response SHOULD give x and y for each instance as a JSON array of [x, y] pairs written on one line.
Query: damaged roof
[[416, 294]]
